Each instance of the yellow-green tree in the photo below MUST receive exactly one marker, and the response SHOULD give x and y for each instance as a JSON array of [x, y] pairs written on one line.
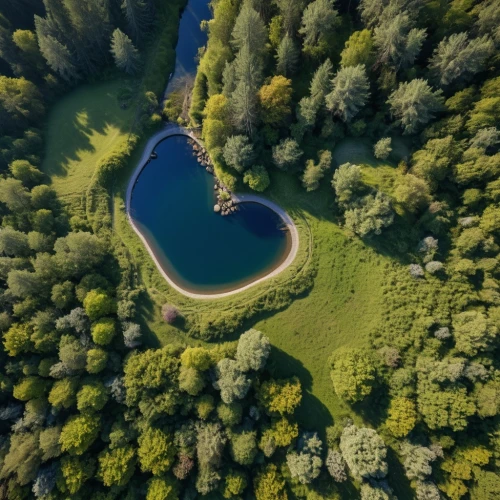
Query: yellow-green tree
[[280, 396], [402, 416], [269, 484], [275, 99], [156, 451], [117, 466], [353, 373], [79, 432]]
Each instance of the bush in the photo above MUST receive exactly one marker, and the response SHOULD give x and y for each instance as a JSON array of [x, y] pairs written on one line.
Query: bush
[[198, 99], [169, 313], [257, 178], [383, 148], [109, 165]]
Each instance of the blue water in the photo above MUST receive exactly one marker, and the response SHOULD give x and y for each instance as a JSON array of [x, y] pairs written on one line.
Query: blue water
[[191, 37], [172, 205]]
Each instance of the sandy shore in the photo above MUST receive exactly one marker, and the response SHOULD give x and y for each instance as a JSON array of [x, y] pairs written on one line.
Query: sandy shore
[[168, 131]]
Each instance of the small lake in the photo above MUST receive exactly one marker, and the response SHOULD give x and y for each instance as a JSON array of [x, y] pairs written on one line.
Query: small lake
[[201, 251]]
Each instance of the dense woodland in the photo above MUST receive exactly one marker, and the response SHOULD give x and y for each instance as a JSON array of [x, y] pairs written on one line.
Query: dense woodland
[[88, 411]]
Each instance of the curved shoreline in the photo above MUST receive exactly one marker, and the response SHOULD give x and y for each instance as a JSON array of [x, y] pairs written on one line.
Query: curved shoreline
[[172, 130]]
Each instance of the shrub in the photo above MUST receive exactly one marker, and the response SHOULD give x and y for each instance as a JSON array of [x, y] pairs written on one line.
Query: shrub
[[257, 178], [353, 374], [169, 313], [109, 165], [416, 271], [383, 148]]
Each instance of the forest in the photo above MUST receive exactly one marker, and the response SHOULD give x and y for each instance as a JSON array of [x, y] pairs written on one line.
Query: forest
[[380, 120]]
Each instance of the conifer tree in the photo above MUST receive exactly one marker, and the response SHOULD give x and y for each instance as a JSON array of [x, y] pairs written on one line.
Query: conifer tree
[[290, 11], [287, 57], [397, 42], [415, 103], [139, 15], [249, 29], [125, 54], [244, 98], [90, 21], [350, 92], [318, 22], [457, 57], [56, 54]]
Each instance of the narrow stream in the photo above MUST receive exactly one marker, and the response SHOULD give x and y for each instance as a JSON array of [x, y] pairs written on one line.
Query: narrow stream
[[191, 38]]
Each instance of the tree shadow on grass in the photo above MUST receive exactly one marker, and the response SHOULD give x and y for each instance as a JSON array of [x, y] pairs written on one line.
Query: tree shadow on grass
[[86, 111], [312, 414], [145, 313]]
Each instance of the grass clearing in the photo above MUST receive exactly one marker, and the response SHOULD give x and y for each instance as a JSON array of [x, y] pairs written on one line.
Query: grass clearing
[[82, 127], [380, 174], [344, 304]]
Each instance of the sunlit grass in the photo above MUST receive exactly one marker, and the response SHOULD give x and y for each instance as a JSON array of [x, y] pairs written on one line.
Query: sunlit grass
[[82, 127]]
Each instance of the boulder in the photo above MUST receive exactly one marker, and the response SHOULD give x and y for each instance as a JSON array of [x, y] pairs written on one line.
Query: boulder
[[216, 208]]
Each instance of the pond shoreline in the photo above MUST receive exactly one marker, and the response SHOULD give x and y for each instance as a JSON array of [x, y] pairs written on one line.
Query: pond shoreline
[[172, 130]]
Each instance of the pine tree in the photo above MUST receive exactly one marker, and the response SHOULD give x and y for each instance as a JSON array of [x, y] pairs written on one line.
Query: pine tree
[[56, 54], [414, 104], [248, 73], [139, 15], [398, 44], [290, 11], [90, 21], [287, 57], [320, 83], [249, 29], [7, 47], [125, 54], [457, 57], [59, 26], [309, 107], [318, 22], [229, 79], [350, 92], [58, 19]]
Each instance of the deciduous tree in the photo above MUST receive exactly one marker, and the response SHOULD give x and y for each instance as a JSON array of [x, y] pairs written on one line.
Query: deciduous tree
[[358, 50], [117, 466], [364, 451], [231, 381], [353, 373], [252, 351], [274, 100]]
